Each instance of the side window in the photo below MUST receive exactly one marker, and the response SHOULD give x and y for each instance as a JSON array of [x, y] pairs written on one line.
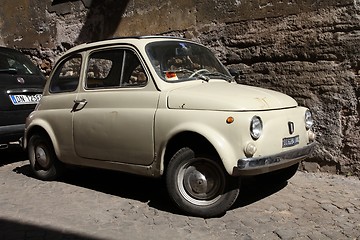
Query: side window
[[114, 68], [104, 69], [67, 75], [134, 73]]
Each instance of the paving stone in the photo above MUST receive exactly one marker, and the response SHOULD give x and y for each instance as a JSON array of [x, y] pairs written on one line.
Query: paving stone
[[309, 206], [317, 236]]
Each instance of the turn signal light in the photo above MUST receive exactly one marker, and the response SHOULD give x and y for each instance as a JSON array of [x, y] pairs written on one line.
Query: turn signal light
[[230, 120]]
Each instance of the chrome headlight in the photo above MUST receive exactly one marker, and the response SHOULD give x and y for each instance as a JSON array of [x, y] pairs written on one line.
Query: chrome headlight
[[309, 121], [256, 127]]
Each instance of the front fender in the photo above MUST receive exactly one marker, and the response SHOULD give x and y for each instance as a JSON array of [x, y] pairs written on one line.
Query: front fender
[[225, 145]]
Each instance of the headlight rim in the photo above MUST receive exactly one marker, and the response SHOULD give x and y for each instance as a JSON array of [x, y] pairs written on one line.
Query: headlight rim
[[309, 120], [255, 131]]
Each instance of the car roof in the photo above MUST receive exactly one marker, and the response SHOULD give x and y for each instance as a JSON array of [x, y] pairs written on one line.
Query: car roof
[[122, 40], [7, 50]]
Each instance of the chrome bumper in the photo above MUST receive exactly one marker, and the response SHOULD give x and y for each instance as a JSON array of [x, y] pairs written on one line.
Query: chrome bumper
[[259, 165]]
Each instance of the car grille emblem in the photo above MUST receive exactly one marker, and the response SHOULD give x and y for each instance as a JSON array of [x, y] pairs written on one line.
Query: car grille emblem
[[291, 127], [20, 80]]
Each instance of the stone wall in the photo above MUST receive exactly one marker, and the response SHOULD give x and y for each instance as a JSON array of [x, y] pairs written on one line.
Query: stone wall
[[308, 49]]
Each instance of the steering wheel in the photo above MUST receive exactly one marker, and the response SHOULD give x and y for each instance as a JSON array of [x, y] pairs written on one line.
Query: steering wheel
[[203, 70]]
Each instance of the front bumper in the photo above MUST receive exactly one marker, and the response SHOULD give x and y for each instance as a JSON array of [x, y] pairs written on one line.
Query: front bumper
[[259, 165]]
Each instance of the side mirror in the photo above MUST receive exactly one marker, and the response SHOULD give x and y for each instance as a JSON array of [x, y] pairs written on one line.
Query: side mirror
[[235, 73]]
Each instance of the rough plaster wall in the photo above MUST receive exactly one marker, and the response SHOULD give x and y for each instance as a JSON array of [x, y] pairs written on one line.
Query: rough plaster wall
[[308, 49], [313, 57]]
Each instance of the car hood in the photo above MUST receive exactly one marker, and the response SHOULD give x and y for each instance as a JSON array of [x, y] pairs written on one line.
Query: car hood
[[221, 95]]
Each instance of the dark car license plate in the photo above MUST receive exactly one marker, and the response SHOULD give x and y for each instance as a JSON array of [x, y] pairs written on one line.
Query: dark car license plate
[[291, 141]]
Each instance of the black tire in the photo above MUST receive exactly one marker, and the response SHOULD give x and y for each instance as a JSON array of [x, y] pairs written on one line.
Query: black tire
[[200, 185], [43, 161], [281, 175]]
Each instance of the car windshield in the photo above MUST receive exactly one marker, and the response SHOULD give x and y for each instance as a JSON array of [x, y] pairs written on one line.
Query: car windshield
[[184, 61], [16, 63]]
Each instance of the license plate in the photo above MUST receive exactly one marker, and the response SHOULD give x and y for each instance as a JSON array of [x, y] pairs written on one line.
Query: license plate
[[25, 99], [291, 141]]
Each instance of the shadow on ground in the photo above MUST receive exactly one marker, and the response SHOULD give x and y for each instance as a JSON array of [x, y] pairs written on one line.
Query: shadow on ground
[[10, 229], [12, 154], [150, 190], [253, 190]]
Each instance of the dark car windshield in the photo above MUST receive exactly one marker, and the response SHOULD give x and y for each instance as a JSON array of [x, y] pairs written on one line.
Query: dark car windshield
[[183, 61], [14, 62]]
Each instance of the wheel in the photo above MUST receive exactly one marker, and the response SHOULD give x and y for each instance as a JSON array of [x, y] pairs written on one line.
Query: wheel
[[43, 161], [281, 175], [200, 71], [199, 185]]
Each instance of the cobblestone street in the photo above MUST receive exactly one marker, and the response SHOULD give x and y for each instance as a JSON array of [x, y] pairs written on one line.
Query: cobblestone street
[[96, 204]]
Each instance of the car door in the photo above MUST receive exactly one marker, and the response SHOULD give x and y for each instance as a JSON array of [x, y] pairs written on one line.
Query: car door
[[114, 115]]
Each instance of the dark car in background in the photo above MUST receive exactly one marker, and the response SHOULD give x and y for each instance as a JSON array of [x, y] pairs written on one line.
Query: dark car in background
[[21, 86]]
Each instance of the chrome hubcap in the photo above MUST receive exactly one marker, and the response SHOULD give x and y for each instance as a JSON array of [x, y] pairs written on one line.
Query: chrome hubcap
[[198, 183], [41, 158], [201, 182]]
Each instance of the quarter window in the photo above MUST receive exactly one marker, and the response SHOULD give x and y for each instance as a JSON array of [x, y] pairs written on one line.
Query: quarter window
[[66, 77]]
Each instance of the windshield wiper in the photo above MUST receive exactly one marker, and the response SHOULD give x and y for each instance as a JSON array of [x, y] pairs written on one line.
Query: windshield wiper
[[180, 70], [222, 75], [194, 74], [9, 70], [202, 75]]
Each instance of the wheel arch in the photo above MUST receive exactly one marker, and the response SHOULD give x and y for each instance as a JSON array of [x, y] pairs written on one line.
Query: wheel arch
[[198, 185], [44, 130], [194, 140]]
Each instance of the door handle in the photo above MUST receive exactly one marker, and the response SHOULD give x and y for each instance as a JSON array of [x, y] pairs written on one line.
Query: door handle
[[78, 105], [80, 101]]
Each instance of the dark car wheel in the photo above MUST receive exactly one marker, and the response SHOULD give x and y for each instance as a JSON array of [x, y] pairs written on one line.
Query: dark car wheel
[[43, 160], [200, 185]]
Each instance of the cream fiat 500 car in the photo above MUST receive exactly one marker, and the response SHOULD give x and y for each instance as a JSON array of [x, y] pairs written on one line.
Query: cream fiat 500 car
[[162, 106]]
